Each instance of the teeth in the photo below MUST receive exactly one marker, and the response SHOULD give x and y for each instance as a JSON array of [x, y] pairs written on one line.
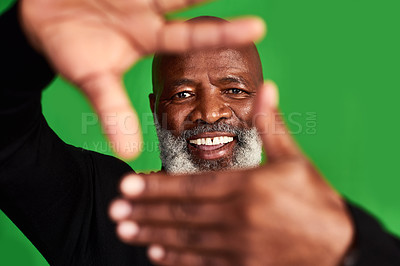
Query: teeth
[[212, 141], [216, 141]]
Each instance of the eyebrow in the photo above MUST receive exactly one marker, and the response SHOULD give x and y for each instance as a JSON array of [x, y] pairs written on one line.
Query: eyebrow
[[233, 79], [181, 82], [224, 80]]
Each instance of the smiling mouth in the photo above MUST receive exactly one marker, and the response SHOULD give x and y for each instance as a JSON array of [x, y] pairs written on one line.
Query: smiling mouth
[[212, 145]]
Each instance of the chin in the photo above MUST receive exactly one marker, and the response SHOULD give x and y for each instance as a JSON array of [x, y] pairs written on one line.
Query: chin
[[213, 165]]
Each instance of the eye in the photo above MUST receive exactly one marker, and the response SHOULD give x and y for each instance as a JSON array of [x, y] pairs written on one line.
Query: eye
[[235, 91], [182, 95]]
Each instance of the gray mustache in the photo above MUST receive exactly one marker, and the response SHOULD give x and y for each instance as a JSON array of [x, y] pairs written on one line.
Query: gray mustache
[[221, 127]]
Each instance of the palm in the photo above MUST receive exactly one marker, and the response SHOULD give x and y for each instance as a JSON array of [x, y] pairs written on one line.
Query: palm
[[93, 42], [88, 38]]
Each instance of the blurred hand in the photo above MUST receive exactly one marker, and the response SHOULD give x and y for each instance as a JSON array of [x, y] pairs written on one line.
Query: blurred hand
[[92, 43], [282, 213]]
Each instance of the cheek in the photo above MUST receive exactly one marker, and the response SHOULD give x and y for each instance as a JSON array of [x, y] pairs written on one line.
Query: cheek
[[173, 117], [244, 111]]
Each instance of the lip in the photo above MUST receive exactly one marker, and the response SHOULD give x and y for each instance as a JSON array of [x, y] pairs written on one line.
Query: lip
[[212, 135], [212, 152]]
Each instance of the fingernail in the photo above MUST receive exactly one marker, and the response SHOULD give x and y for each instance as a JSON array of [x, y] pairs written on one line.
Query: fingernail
[[254, 27], [156, 252], [132, 185], [128, 230], [120, 209], [260, 26]]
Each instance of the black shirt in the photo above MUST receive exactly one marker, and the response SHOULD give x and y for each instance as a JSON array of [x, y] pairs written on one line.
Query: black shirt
[[58, 195]]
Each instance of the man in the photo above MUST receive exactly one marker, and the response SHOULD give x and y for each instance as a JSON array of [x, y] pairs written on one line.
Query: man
[[58, 195]]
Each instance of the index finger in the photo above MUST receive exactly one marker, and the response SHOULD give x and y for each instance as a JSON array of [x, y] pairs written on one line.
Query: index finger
[[212, 185], [206, 32]]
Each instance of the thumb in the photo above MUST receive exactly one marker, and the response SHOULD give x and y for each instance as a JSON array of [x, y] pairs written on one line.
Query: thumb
[[277, 141], [117, 116]]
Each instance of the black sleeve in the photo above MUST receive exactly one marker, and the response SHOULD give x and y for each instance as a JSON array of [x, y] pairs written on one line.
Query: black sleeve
[[373, 246], [56, 194]]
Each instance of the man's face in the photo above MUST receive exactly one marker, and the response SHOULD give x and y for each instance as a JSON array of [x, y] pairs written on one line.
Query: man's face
[[207, 97]]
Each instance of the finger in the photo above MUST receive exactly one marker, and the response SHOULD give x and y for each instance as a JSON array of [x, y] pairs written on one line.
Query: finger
[[119, 120], [175, 237], [184, 213], [183, 36], [209, 186], [277, 140], [165, 6], [163, 256]]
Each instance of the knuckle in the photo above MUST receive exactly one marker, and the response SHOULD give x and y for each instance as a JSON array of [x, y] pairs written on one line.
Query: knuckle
[[140, 212], [200, 260], [172, 258], [211, 261], [254, 182], [252, 215], [301, 171], [183, 211], [189, 236], [194, 259], [194, 183], [188, 185], [246, 213], [226, 214], [157, 235]]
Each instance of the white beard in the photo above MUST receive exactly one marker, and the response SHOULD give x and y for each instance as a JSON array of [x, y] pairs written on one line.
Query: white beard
[[176, 159]]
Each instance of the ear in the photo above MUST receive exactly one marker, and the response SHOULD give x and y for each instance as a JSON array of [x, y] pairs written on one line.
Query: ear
[[152, 99]]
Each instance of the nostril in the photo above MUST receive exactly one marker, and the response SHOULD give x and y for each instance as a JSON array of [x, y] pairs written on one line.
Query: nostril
[[210, 112]]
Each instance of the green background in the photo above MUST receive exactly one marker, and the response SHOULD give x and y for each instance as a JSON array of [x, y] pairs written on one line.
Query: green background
[[336, 59]]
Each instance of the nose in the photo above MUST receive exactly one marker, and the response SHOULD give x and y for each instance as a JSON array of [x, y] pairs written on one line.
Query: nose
[[210, 108]]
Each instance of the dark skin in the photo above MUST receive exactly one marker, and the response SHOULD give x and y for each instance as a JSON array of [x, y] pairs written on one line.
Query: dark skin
[[281, 213], [207, 87]]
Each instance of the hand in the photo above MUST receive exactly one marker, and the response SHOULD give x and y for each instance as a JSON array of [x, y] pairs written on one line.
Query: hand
[[282, 213], [92, 43]]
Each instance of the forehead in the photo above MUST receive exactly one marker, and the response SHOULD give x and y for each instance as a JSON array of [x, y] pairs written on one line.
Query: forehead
[[214, 63], [205, 60]]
